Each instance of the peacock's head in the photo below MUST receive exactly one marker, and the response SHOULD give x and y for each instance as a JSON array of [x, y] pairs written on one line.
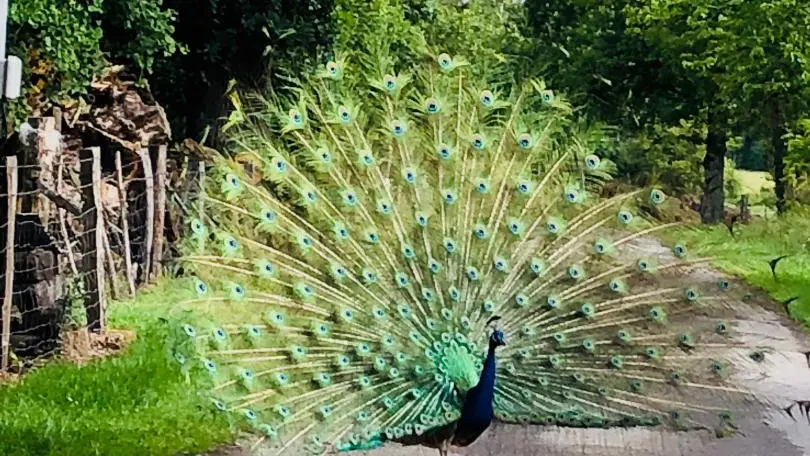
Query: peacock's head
[[496, 339]]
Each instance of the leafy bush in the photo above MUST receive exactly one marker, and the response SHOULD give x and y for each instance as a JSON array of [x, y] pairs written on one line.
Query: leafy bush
[[64, 44], [667, 156], [245, 41], [484, 32], [797, 162]]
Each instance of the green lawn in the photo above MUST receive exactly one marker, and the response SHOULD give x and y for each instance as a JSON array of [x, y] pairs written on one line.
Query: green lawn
[[137, 403], [753, 182], [747, 255]]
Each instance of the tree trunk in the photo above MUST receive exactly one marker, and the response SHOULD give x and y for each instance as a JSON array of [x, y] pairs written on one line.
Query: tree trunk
[[712, 204], [779, 152]]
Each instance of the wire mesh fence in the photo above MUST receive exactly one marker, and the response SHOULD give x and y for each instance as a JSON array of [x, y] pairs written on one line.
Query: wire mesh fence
[[76, 229]]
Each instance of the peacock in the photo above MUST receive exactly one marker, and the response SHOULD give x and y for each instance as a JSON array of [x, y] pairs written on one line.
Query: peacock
[[408, 255]]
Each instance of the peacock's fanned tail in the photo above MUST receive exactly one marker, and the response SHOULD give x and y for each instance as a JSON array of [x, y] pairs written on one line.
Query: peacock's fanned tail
[[364, 227]]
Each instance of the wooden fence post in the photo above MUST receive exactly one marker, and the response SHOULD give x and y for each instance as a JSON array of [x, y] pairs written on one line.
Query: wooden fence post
[[8, 295], [146, 163], [93, 239], [745, 210], [201, 200], [160, 212], [122, 197]]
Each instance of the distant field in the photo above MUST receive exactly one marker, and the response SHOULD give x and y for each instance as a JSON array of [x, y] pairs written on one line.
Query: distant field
[[753, 182]]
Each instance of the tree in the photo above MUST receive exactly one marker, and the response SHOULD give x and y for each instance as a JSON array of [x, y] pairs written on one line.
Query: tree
[[243, 40], [754, 53], [64, 44], [635, 77]]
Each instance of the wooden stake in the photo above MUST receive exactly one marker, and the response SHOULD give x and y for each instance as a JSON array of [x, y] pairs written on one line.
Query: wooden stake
[[160, 213], [150, 212], [93, 240], [111, 272], [201, 202], [8, 296], [62, 218], [122, 197]]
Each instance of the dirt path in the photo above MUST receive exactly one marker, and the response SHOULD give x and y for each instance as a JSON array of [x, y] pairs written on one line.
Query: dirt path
[[761, 434]]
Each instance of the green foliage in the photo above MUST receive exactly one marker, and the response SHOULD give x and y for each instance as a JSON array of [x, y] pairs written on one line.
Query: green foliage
[[667, 156], [797, 162], [379, 26], [751, 155], [245, 41], [64, 44], [752, 51], [586, 48], [139, 32], [138, 403], [486, 32]]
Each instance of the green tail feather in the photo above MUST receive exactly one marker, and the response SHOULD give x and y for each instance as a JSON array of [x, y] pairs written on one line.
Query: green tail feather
[[386, 217]]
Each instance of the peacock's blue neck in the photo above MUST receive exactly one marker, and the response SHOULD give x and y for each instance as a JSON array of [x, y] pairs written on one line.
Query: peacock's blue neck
[[487, 381], [477, 411]]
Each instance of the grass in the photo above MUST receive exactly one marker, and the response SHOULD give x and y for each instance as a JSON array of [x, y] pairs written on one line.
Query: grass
[[137, 403], [753, 182], [747, 255]]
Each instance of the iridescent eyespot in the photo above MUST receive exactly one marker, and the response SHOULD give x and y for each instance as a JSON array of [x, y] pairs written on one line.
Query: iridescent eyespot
[[200, 287], [344, 114], [409, 175], [397, 127], [525, 141], [657, 196], [296, 117], [408, 252], [537, 266], [384, 207], [432, 106], [524, 187], [390, 82], [487, 98], [445, 61], [444, 152], [477, 141], [592, 161], [366, 158]]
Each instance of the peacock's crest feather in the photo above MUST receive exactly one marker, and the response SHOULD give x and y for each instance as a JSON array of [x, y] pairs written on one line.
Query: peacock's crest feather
[[393, 215]]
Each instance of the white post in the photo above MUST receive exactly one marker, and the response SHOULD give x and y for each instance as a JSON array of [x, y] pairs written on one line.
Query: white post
[[3, 32]]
